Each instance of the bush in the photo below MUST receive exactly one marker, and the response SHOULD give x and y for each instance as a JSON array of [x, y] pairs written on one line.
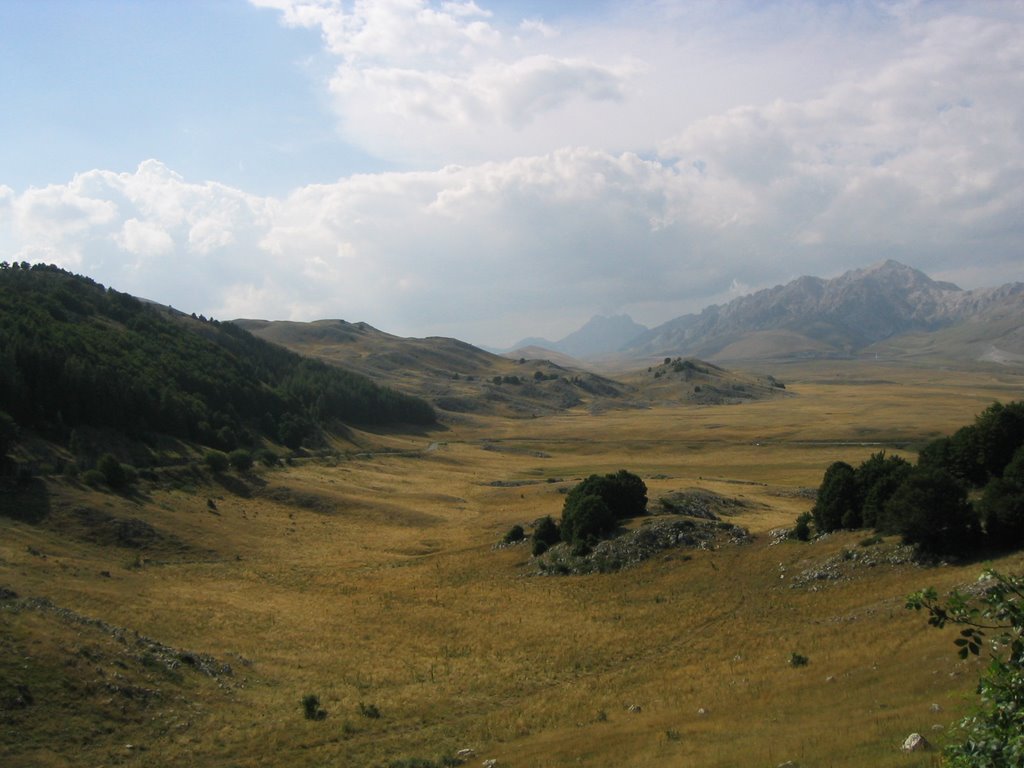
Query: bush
[[240, 460], [216, 460], [802, 529], [268, 458], [798, 660], [311, 707], [588, 518], [514, 534], [545, 533], [8, 433], [593, 507], [993, 735], [112, 471], [580, 548], [93, 478], [131, 475]]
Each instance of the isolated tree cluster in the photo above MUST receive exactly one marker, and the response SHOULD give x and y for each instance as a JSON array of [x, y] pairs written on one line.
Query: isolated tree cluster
[[593, 509], [930, 504]]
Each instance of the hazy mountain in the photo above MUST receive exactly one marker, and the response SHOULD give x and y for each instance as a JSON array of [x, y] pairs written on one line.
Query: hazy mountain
[[812, 317], [600, 336]]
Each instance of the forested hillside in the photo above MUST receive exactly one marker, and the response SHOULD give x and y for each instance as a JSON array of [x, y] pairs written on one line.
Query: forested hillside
[[75, 353]]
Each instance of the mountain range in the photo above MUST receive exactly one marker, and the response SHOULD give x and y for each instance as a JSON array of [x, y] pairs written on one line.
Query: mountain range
[[887, 309]]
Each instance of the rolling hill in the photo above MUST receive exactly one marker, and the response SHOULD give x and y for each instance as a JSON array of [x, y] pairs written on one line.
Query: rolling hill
[[456, 377], [460, 379], [76, 354]]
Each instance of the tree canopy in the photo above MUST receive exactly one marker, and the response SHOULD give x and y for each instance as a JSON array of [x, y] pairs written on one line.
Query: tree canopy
[[75, 353], [594, 507], [929, 504]]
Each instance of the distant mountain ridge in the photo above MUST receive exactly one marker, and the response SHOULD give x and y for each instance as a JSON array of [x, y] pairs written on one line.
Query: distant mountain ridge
[[814, 317], [601, 335]]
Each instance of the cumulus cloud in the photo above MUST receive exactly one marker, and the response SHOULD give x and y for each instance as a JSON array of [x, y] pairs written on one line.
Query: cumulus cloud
[[146, 232], [417, 81], [919, 158], [143, 238]]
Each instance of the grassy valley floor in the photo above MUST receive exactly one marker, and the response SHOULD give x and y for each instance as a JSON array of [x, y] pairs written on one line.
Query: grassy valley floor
[[369, 577]]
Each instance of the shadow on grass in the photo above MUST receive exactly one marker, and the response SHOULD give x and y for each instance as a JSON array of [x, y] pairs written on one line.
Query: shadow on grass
[[27, 501], [239, 486]]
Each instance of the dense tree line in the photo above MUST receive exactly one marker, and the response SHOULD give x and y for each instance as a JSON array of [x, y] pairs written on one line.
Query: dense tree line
[[75, 353], [966, 490]]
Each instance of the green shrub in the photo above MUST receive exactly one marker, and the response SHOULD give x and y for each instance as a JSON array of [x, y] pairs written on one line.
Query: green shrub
[[216, 460], [798, 660], [514, 534], [240, 460], [268, 458], [580, 549], [311, 707], [8, 433], [802, 529], [993, 735], [594, 506], [131, 474], [93, 478], [588, 518], [545, 533], [112, 471]]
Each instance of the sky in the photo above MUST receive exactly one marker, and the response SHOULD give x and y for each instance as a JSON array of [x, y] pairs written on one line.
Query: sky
[[499, 169]]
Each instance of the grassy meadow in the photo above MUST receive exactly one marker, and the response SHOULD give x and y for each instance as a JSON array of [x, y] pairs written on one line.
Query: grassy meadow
[[368, 576]]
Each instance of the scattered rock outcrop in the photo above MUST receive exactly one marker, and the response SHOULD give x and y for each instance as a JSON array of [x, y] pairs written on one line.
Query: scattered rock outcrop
[[841, 566], [634, 547]]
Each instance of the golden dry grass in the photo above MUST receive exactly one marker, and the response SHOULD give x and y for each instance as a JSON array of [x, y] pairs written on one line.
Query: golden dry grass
[[373, 579]]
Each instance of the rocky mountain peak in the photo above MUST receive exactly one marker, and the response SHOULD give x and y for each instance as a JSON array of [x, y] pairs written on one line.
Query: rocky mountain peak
[[836, 316]]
